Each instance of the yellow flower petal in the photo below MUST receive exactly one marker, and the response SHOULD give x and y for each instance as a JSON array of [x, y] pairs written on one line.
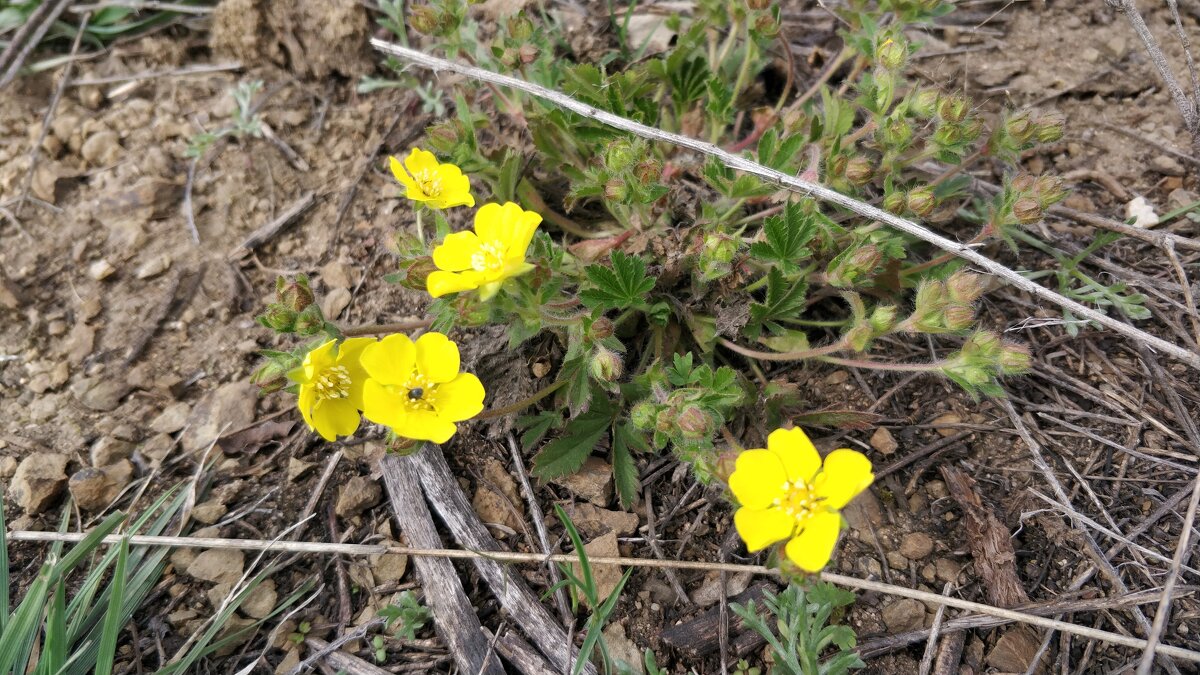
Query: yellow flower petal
[[306, 401], [810, 550], [335, 417], [437, 357], [456, 252], [489, 290], [456, 188], [508, 224], [423, 425], [419, 160], [846, 473], [441, 283], [410, 185], [383, 405], [758, 479], [763, 527], [392, 360], [350, 356], [800, 458], [460, 399], [317, 360]]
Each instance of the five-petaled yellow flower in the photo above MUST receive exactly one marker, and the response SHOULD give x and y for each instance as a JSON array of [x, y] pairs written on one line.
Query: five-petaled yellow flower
[[786, 494], [439, 186], [331, 387], [484, 258], [416, 389]]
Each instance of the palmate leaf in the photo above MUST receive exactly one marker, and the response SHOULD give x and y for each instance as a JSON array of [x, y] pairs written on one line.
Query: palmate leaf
[[623, 285], [626, 439], [567, 453], [786, 237], [784, 299]]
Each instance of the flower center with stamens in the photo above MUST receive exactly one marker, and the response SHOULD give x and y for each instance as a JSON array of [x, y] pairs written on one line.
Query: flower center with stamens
[[333, 383], [422, 394], [430, 183], [798, 500], [490, 257]]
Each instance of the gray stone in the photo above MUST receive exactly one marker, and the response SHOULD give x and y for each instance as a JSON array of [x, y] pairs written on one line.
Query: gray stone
[[903, 615], [38, 481], [357, 495]]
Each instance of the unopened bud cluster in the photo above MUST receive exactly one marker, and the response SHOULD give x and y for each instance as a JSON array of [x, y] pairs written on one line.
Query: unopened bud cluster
[[945, 306], [294, 309]]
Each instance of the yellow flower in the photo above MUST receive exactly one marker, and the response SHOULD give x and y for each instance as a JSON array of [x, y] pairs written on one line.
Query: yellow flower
[[440, 186], [484, 258], [416, 389], [785, 493], [331, 387]]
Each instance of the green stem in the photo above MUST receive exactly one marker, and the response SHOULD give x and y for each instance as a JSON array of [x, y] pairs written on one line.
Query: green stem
[[800, 355], [420, 229], [523, 403], [878, 365]]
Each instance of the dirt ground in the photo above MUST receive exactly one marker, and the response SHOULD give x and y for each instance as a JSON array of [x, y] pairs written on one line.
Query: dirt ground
[[127, 346]]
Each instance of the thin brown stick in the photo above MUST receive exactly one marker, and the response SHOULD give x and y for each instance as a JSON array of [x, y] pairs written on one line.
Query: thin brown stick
[[800, 186], [387, 328], [269, 231], [539, 524], [506, 556]]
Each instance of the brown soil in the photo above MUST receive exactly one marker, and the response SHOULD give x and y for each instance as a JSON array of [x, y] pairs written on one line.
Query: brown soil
[[109, 183]]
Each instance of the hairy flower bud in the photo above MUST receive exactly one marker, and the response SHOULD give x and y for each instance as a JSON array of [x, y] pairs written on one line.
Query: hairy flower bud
[[527, 53], [953, 108], [694, 423], [620, 155], [891, 54], [644, 415], [1027, 211], [964, 286], [1022, 183], [766, 26], [883, 318], [958, 317], [1049, 190], [921, 201], [859, 171], [1020, 128], [430, 20], [837, 165], [925, 103], [278, 318], [896, 131], [601, 328], [606, 365], [520, 28], [648, 170], [616, 190], [270, 377], [1049, 127], [1014, 358], [310, 321], [758, 4], [894, 202], [294, 295]]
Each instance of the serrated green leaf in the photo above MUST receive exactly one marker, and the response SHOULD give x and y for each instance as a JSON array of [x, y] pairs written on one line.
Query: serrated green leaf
[[786, 236], [567, 453], [626, 439], [621, 286], [784, 299]]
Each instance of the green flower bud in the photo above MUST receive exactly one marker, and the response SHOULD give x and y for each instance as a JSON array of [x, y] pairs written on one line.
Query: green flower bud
[[694, 423], [891, 54], [837, 165], [445, 136], [401, 446], [601, 328], [859, 171], [921, 201], [848, 270], [1022, 183], [958, 317], [1027, 211], [294, 295], [1014, 358], [719, 248], [953, 108], [430, 20], [964, 286], [606, 365], [1020, 128], [883, 318], [859, 337], [925, 103], [766, 26], [896, 131], [982, 344], [278, 318], [270, 377], [310, 321], [644, 415], [664, 421], [620, 155], [1049, 190], [617, 190], [894, 202], [1049, 127], [972, 129], [758, 4], [520, 28]]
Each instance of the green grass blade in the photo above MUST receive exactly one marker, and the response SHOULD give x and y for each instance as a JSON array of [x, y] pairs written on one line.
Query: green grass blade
[[22, 629], [114, 619], [585, 567], [54, 651], [4, 581]]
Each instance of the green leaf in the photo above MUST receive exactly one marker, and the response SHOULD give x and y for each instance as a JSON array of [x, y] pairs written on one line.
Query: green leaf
[[784, 300], [626, 438], [113, 618], [565, 454], [786, 236], [623, 285]]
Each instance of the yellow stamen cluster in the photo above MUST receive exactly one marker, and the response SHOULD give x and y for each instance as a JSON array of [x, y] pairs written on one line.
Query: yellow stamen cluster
[[332, 383]]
